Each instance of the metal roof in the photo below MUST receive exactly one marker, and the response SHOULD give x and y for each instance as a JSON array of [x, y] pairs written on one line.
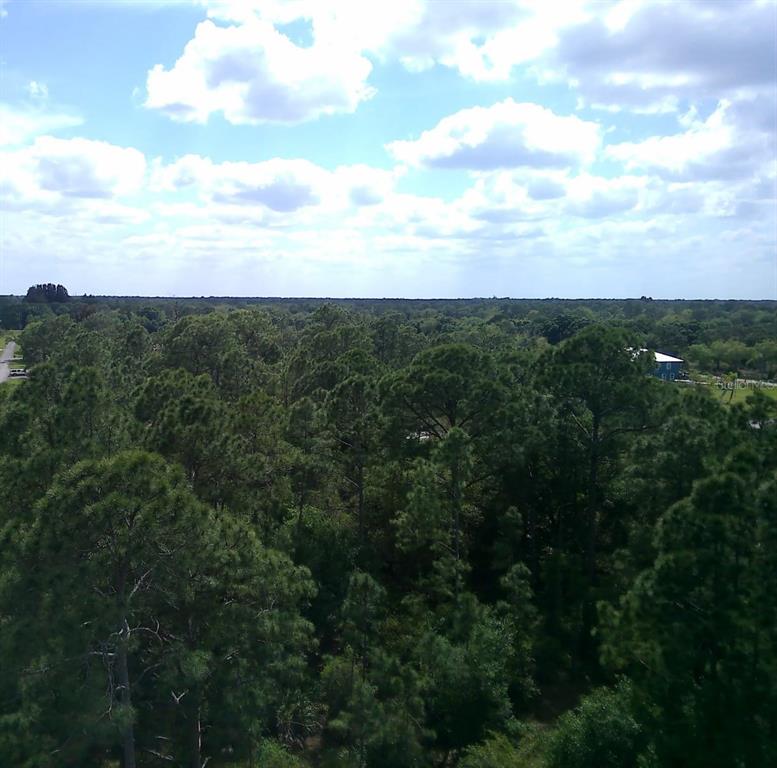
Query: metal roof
[[662, 358]]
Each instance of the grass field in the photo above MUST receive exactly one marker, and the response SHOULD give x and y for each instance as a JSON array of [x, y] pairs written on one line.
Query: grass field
[[730, 397]]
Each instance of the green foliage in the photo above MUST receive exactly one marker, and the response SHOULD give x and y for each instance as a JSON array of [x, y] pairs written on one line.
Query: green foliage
[[600, 733], [271, 754], [46, 292], [468, 671], [523, 746], [379, 534], [496, 752], [691, 630]]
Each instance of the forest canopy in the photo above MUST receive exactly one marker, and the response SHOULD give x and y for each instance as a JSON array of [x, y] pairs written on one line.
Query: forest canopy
[[360, 533]]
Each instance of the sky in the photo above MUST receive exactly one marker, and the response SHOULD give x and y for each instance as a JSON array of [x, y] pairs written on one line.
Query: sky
[[395, 148]]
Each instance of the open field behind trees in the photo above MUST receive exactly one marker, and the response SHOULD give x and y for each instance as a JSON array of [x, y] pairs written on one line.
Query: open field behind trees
[[741, 394], [475, 533]]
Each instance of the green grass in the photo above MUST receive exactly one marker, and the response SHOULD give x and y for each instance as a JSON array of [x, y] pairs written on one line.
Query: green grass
[[726, 396], [731, 397]]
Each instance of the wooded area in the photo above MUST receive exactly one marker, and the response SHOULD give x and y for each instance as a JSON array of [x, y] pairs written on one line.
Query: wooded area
[[392, 533]]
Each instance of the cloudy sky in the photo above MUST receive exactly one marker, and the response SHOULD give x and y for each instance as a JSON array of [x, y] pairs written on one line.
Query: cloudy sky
[[389, 148]]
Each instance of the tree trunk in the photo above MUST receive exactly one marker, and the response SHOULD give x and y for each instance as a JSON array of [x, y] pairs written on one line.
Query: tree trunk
[[195, 736], [558, 577], [128, 737], [456, 498], [587, 643], [360, 502], [592, 511]]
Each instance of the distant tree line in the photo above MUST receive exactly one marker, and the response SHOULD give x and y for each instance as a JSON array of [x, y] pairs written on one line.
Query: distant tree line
[[48, 293], [712, 336]]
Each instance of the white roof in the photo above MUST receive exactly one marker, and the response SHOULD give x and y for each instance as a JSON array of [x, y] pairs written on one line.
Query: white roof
[[662, 358]]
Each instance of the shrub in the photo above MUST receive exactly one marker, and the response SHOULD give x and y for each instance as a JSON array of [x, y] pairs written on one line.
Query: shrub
[[496, 752], [600, 733], [274, 755]]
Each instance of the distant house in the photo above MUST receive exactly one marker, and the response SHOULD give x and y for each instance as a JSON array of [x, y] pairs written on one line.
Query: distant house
[[667, 367]]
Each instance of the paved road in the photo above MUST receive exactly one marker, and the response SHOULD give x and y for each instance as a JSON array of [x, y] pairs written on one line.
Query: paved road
[[5, 360]]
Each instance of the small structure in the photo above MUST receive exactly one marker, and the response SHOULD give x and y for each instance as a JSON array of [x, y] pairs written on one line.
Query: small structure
[[667, 367]]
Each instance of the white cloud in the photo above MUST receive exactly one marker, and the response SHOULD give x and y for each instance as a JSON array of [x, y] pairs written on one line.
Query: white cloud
[[20, 124], [38, 90], [545, 188], [641, 54], [248, 66], [278, 185], [482, 39], [291, 227], [365, 185], [555, 198], [726, 145], [52, 172], [252, 74], [502, 198], [633, 55], [282, 186], [505, 135], [594, 197]]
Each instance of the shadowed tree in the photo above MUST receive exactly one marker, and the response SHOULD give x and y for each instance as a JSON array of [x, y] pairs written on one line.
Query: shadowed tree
[[603, 395], [696, 632], [149, 620]]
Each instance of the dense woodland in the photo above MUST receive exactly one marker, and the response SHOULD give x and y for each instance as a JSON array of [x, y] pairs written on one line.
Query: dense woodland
[[288, 533]]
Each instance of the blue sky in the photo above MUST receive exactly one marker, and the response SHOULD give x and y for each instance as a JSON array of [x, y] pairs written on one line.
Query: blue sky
[[342, 148]]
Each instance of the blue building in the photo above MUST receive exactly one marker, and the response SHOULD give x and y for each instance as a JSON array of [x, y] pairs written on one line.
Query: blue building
[[667, 367]]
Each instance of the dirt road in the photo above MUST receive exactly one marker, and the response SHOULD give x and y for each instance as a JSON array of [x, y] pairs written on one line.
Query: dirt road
[[5, 360]]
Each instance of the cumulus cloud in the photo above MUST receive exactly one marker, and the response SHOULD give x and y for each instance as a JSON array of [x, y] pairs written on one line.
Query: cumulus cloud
[[637, 55], [724, 146], [558, 197], [645, 54], [52, 171], [280, 185], [545, 188], [366, 185], [252, 73], [482, 39], [21, 124], [292, 217], [594, 197], [243, 63], [505, 135], [642, 53]]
